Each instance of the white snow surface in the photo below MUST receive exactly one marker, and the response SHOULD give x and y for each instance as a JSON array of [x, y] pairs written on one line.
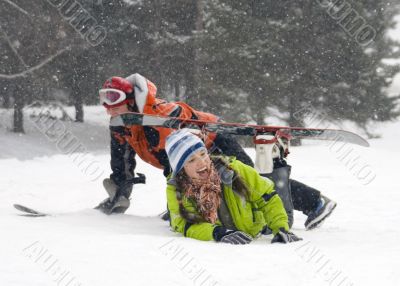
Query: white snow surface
[[357, 245]]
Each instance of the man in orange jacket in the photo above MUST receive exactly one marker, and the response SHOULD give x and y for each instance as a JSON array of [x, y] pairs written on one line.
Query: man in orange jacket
[[137, 94]]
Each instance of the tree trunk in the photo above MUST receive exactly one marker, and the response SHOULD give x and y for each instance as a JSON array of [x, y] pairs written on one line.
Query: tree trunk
[[157, 52], [177, 90], [294, 121], [260, 117], [78, 104], [193, 85], [197, 60], [7, 101], [77, 91], [5, 93], [18, 126]]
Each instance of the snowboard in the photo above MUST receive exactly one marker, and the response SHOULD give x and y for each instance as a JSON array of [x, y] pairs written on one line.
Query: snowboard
[[28, 211], [142, 119]]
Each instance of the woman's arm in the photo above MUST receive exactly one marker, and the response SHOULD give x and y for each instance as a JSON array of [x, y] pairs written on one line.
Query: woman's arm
[[262, 193], [200, 231]]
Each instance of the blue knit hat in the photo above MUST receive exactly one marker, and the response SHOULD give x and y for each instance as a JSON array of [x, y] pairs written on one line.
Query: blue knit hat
[[180, 146]]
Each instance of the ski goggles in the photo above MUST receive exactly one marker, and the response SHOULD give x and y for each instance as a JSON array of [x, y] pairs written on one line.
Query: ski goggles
[[111, 96]]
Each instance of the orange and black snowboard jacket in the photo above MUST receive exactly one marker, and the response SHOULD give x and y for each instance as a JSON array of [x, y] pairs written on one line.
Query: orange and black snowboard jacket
[[145, 141]]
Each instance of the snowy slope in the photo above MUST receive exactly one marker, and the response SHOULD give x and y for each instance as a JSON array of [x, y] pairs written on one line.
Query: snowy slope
[[358, 245]]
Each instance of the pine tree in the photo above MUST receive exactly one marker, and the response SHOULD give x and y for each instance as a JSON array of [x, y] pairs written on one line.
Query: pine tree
[[296, 55]]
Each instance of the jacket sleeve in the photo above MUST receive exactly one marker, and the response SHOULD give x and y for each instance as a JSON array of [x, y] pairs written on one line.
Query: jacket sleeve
[[123, 161], [263, 195], [200, 231]]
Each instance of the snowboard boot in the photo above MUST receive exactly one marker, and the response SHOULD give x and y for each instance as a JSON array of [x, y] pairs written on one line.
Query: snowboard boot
[[118, 205], [118, 201], [316, 217], [280, 176], [270, 151]]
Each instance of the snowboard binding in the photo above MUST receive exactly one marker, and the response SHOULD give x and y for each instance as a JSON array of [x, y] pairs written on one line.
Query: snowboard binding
[[118, 200], [271, 152]]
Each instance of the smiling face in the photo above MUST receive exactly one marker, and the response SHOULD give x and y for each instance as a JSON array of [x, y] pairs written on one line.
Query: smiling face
[[198, 165]]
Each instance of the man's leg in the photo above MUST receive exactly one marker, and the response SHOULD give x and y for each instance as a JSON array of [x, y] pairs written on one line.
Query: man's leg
[[227, 145], [305, 198], [280, 176], [312, 203]]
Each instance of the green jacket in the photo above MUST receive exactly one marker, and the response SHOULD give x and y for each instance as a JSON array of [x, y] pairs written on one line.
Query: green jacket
[[250, 216]]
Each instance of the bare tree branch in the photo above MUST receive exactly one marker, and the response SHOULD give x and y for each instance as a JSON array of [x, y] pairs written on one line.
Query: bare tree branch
[[34, 68], [17, 7], [12, 48]]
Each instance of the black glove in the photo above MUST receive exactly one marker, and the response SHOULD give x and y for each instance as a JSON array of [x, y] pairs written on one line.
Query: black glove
[[284, 236], [221, 234]]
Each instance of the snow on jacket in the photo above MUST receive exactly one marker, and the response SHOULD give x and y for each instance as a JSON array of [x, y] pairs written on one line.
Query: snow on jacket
[[262, 208]]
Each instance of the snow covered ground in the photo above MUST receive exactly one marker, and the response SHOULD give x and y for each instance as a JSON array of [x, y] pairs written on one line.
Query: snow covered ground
[[357, 245]]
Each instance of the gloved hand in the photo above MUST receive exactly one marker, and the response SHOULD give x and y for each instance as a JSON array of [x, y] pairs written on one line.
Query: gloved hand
[[284, 236], [221, 234]]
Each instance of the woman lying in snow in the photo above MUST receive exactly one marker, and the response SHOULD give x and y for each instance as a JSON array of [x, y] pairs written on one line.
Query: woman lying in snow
[[220, 198]]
